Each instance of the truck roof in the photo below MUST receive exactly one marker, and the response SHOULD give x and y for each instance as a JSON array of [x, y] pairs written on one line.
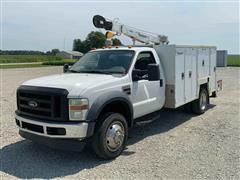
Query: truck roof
[[149, 47], [134, 48]]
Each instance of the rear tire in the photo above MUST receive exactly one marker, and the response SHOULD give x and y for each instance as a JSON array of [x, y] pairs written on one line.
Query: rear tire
[[199, 106], [111, 136]]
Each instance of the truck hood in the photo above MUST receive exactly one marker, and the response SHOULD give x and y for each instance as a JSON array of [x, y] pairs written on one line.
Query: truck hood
[[75, 83]]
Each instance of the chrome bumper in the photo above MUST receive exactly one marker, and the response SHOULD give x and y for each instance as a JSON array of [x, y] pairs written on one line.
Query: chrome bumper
[[53, 129]]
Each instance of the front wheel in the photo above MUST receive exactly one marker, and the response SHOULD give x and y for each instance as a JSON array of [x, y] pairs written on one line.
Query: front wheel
[[110, 138], [199, 106]]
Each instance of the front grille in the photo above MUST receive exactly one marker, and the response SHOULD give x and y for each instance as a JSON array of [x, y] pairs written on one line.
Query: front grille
[[43, 103]]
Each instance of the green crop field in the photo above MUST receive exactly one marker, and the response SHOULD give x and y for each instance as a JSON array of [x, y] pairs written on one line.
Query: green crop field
[[27, 58], [233, 60], [60, 63]]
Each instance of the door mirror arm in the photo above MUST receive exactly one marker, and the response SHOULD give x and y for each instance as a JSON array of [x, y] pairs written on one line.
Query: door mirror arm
[[138, 74], [152, 74], [135, 75], [65, 68]]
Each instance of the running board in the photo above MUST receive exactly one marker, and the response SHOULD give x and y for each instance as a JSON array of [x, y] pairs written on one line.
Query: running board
[[147, 118]]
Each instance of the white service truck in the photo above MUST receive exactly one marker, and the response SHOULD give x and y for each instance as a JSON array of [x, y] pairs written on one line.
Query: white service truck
[[109, 89]]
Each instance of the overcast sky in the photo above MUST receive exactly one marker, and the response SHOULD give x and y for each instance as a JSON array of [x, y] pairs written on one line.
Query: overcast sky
[[47, 25]]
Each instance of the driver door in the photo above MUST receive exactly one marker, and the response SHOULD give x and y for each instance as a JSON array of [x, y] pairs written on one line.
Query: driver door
[[145, 94]]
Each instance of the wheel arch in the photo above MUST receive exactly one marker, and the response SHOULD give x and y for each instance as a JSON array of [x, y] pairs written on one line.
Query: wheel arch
[[205, 86], [112, 102]]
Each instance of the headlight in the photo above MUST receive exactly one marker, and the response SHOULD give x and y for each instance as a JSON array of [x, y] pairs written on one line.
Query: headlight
[[78, 109]]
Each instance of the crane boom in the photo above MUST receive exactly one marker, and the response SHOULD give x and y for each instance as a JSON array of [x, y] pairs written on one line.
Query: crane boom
[[133, 33]]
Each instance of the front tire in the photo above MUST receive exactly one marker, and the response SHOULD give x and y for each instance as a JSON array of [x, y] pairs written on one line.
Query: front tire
[[111, 136], [199, 106]]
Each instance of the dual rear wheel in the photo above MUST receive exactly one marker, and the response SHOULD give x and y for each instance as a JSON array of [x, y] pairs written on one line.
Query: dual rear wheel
[[199, 106]]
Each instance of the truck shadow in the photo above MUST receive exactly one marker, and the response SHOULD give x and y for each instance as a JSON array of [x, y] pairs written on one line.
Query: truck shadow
[[27, 160], [169, 119]]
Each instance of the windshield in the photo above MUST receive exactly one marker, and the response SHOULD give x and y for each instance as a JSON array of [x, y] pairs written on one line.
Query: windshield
[[106, 61]]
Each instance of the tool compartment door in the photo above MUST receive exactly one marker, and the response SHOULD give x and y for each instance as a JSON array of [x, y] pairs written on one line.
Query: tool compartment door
[[190, 74], [212, 69], [203, 63], [179, 77]]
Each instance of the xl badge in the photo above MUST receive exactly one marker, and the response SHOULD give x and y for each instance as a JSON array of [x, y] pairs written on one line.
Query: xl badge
[[32, 104]]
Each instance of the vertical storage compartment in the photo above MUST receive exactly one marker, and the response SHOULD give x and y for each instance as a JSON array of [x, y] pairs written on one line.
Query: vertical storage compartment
[[203, 62], [212, 67], [190, 62], [179, 85], [185, 75]]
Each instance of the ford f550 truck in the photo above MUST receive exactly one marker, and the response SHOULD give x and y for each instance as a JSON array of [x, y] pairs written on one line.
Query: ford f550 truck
[[103, 94]]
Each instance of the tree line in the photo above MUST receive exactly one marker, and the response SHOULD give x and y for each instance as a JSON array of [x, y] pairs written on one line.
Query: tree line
[[53, 52], [94, 39], [20, 52]]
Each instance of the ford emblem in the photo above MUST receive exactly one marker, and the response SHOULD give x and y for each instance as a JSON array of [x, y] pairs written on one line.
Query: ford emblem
[[32, 104]]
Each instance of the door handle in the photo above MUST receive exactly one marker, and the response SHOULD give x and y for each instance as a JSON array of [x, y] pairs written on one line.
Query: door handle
[[190, 74], [182, 75], [161, 82], [203, 62]]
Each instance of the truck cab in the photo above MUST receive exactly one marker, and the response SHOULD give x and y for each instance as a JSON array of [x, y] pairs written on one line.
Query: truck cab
[[107, 88]]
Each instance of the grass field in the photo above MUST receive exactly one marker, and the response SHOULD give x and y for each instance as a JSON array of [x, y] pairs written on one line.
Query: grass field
[[233, 60], [13, 61], [27, 58], [41, 64], [60, 63]]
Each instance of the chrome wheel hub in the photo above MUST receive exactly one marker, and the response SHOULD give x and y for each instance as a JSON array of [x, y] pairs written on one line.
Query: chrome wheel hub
[[203, 101], [115, 136]]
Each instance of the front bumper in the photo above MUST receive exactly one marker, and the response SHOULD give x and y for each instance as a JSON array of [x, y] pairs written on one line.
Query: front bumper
[[66, 130], [56, 143]]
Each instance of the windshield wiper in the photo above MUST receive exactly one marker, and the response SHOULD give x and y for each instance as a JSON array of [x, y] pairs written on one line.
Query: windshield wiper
[[116, 72], [73, 71], [95, 71]]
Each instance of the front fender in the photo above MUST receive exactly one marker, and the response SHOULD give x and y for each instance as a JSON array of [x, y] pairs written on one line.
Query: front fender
[[105, 99]]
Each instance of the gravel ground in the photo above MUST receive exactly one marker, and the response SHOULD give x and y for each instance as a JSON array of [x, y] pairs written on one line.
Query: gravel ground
[[176, 146]]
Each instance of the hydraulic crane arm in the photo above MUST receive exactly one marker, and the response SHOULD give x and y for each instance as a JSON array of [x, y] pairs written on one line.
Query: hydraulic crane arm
[[135, 34]]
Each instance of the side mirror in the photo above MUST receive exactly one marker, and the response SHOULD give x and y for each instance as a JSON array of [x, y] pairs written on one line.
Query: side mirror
[[65, 68], [153, 72]]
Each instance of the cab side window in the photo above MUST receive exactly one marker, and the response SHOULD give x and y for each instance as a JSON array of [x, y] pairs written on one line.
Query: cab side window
[[143, 59]]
